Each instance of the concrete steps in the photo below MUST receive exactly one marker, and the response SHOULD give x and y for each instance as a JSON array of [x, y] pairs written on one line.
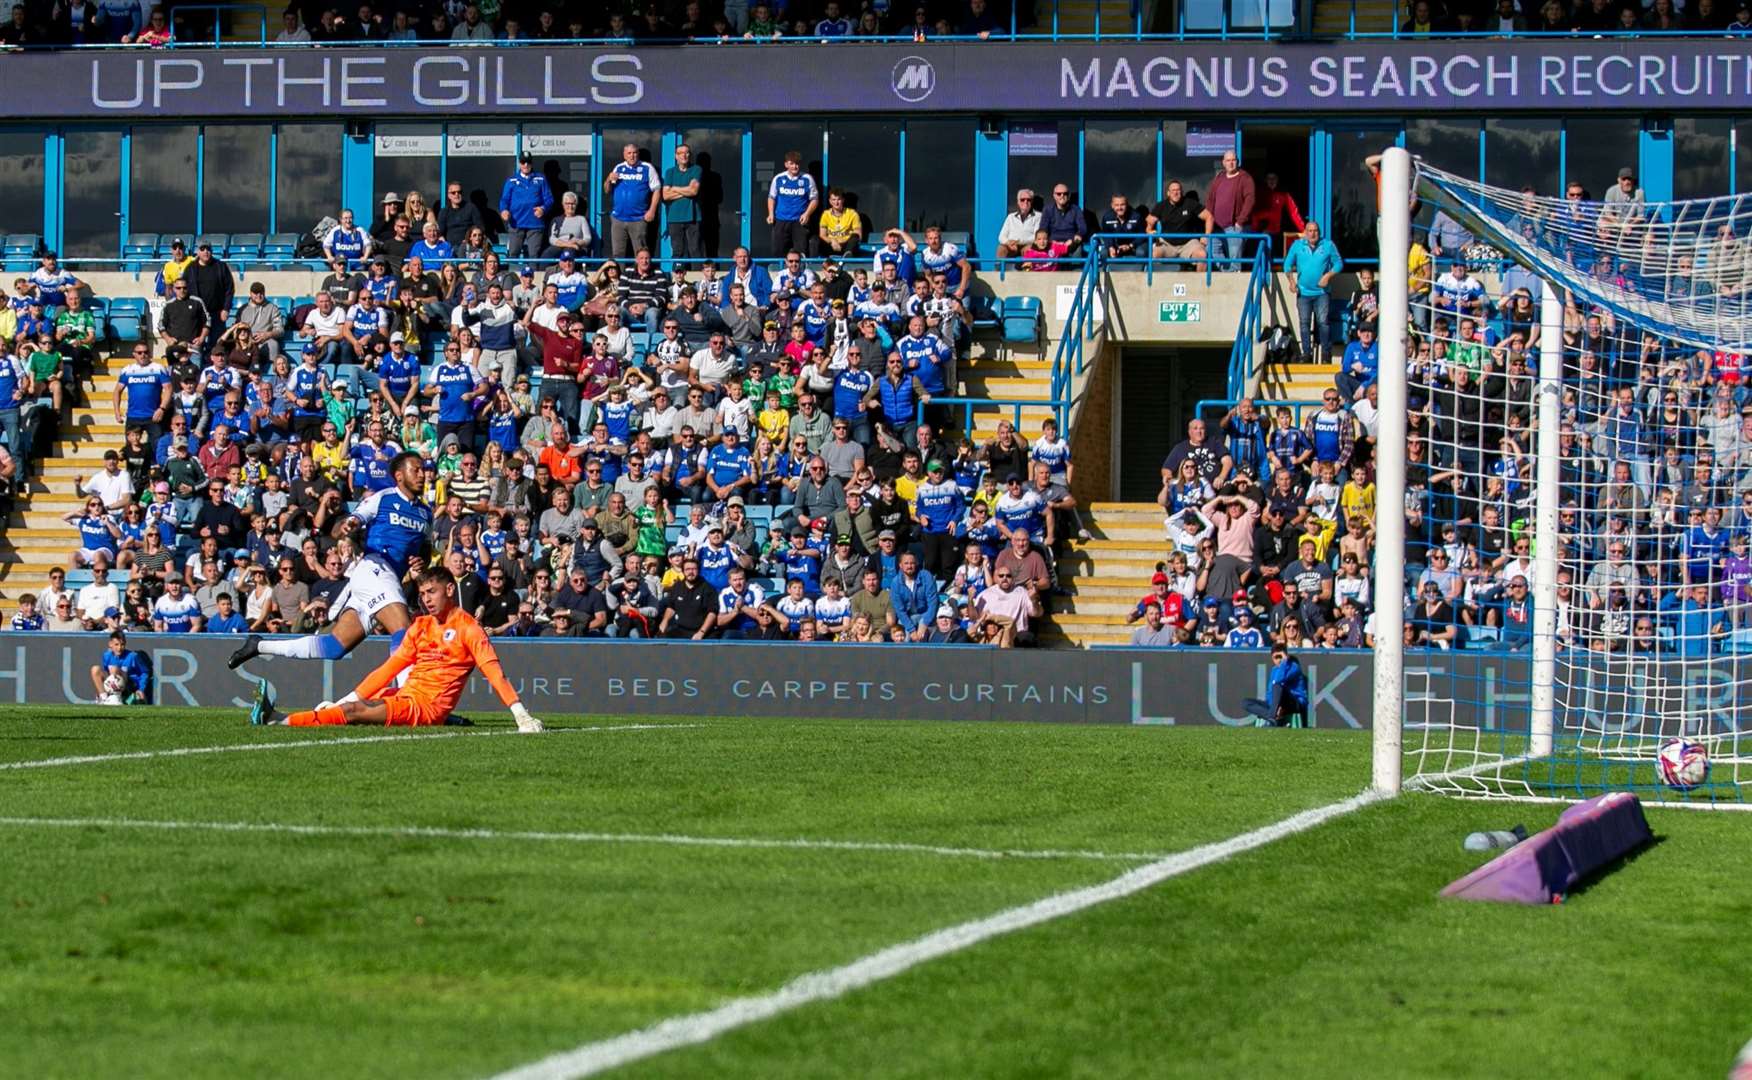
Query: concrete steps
[[1102, 579]]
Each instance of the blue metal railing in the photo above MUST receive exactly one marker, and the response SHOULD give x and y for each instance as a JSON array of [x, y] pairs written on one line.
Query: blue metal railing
[[1252, 319], [1068, 360]]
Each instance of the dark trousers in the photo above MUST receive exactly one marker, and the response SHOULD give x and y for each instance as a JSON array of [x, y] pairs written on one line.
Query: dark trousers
[[1286, 713], [942, 554], [684, 240], [790, 236], [524, 243], [465, 433]]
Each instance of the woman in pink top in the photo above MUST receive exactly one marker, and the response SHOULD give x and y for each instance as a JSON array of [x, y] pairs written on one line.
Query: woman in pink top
[[1232, 517]]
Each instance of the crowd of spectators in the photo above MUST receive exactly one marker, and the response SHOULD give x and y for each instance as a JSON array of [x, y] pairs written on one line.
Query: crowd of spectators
[[723, 453], [1272, 517]]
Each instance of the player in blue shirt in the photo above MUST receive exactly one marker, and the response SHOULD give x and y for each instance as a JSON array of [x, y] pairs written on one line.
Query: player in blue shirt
[[792, 199], [396, 523]]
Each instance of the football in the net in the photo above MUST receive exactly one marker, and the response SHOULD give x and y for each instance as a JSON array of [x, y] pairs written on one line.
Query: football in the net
[[1683, 764]]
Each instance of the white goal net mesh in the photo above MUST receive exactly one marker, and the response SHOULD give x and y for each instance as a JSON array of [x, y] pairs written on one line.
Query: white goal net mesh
[[1652, 636]]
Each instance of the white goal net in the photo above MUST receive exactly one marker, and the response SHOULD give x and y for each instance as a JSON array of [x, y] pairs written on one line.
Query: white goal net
[[1574, 569]]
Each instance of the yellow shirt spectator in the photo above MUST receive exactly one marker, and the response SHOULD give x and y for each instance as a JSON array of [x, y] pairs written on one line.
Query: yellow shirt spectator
[[331, 461], [775, 424], [840, 226]]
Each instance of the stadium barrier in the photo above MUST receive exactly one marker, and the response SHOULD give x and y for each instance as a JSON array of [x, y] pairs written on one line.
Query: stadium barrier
[[640, 678]]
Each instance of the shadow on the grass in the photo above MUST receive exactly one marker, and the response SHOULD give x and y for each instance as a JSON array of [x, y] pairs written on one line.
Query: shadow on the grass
[[1613, 867]]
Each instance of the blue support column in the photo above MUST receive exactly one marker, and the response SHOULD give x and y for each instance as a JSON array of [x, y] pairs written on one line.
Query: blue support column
[[200, 181], [54, 190], [358, 168], [754, 201], [666, 154], [126, 167], [991, 186], [1655, 168]]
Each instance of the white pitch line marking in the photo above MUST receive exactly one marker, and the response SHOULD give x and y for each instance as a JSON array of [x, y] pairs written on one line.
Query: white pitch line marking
[[666, 839], [692, 1029], [296, 744]]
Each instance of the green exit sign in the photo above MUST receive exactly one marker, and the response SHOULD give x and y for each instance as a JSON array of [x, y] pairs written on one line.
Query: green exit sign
[[1180, 311]]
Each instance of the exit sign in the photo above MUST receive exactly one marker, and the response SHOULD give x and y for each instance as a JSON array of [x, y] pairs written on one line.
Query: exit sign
[[1180, 311]]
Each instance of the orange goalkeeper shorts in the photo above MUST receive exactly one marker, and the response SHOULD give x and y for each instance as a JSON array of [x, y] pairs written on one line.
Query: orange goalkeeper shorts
[[413, 710]]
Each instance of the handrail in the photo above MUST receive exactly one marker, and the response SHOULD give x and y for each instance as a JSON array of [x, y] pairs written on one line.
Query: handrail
[[1265, 408], [1252, 321]]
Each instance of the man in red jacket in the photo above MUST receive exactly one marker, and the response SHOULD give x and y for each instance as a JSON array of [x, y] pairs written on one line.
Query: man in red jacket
[[562, 360]]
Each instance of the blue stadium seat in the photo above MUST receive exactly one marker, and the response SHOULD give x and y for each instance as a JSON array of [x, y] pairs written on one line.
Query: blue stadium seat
[[140, 249], [1021, 318], [982, 312], [244, 246], [280, 247], [21, 252], [167, 239], [962, 240], [99, 307], [127, 318]]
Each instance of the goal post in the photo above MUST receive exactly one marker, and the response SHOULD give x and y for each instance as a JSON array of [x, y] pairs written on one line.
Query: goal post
[[1389, 583], [1562, 560]]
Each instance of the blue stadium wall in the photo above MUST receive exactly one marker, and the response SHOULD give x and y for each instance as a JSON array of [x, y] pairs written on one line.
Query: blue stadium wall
[[264, 140]]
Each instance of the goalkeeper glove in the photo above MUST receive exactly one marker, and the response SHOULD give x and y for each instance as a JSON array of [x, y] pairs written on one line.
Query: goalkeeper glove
[[525, 722]]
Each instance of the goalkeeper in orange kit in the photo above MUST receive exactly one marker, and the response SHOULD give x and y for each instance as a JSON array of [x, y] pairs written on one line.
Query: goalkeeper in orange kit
[[442, 648]]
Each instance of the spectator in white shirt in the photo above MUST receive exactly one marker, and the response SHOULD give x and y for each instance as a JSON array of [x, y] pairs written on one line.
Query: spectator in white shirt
[[1019, 228]]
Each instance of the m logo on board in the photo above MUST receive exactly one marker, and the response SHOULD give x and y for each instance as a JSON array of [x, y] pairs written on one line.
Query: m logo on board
[[913, 79]]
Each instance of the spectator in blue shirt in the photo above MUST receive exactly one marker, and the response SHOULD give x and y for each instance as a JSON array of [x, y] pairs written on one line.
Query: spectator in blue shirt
[[225, 618], [913, 595], [792, 199], [432, 249], [1362, 360], [634, 190], [523, 205], [1312, 263]]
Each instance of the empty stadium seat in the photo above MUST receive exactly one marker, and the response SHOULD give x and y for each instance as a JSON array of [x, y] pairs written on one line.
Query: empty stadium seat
[[128, 319], [21, 252], [1021, 318], [140, 249], [244, 246], [982, 312], [280, 247]]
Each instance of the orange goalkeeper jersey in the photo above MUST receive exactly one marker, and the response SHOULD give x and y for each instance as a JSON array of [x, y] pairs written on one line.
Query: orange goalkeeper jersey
[[442, 655]]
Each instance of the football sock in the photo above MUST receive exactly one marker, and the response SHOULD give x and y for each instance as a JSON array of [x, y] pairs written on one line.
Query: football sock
[[328, 717], [309, 647]]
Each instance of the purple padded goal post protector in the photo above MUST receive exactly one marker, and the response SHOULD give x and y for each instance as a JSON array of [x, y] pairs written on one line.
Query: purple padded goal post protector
[[1545, 867]]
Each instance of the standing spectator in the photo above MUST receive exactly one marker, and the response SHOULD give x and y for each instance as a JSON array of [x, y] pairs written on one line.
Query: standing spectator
[[1274, 207], [792, 199], [1312, 263], [1064, 221], [523, 206], [457, 216], [185, 322], [633, 188], [1230, 204], [681, 198], [210, 282], [1019, 226], [143, 392]]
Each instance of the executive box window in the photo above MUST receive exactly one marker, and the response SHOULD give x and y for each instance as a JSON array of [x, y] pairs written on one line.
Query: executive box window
[[939, 175], [1194, 173], [1043, 153], [93, 163], [1595, 149], [480, 157], [1702, 152], [307, 182], [1522, 153], [1353, 192], [863, 159], [409, 157], [1118, 159], [21, 182], [1450, 145], [235, 160], [161, 180], [772, 141], [718, 153]]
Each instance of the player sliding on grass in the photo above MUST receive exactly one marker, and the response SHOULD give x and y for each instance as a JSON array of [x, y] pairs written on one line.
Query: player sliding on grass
[[442, 647], [395, 521]]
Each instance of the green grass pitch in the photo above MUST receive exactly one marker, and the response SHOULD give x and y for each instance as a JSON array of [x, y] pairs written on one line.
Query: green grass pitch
[[199, 952]]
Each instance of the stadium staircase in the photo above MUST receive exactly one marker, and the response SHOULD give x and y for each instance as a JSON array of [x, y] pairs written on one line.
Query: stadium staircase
[[36, 537]]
